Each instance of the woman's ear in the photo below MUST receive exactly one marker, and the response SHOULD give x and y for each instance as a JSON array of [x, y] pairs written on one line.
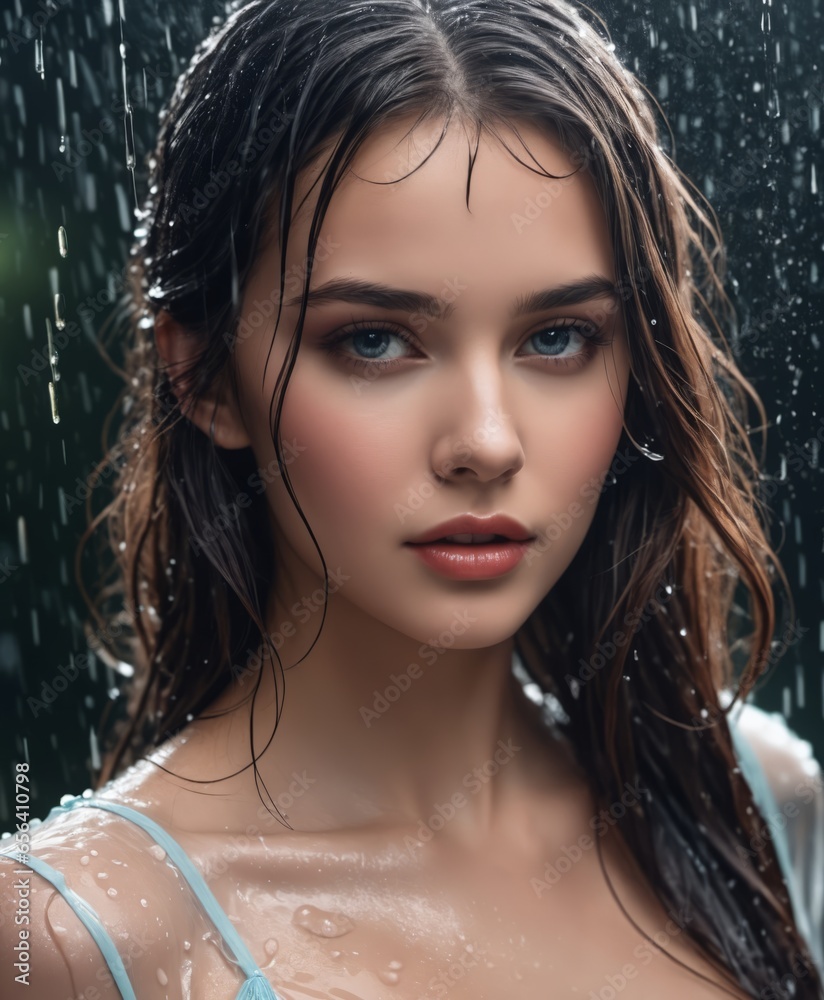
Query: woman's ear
[[177, 347]]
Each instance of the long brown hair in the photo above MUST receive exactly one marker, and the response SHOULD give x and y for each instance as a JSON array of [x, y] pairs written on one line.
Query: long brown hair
[[637, 639]]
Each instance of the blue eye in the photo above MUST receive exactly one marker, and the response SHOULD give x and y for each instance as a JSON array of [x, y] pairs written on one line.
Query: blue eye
[[370, 337], [373, 340], [559, 337]]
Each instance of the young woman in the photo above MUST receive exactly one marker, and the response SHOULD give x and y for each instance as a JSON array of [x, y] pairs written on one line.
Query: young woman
[[434, 493]]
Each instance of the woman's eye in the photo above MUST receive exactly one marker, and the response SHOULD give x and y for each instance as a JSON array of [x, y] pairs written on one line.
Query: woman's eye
[[372, 345], [567, 343]]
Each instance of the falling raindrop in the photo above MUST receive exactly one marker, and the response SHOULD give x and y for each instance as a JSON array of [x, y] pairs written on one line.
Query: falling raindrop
[[53, 401], [22, 540], [62, 242], [61, 107], [59, 311], [38, 56], [95, 750]]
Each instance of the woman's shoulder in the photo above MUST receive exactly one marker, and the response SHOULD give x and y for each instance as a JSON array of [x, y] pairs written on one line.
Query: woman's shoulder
[[92, 888], [787, 761]]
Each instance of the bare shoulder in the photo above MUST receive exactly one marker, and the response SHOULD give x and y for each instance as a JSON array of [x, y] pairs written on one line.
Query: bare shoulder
[[120, 887], [29, 945]]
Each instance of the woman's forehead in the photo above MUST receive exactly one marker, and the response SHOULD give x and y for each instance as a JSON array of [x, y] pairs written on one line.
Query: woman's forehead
[[516, 216]]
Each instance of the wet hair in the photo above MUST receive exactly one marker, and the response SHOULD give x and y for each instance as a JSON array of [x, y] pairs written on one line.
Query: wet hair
[[645, 632]]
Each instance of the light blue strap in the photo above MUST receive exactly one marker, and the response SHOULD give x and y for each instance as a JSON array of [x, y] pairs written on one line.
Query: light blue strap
[[90, 920], [257, 986]]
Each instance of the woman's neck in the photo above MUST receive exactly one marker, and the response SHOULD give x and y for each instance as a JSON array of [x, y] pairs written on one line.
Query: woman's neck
[[379, 729]]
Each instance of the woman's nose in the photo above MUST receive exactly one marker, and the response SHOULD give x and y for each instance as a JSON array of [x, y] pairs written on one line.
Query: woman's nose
[[475, 433]]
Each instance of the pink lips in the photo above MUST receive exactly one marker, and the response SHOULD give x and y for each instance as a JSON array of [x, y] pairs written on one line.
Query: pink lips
[[473, 560], [471, 524]]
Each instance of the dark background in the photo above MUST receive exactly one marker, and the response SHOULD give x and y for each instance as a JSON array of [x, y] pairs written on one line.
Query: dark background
[[742, 84]]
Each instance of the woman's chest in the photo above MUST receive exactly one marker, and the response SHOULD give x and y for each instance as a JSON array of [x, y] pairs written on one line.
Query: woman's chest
[[453, 926]]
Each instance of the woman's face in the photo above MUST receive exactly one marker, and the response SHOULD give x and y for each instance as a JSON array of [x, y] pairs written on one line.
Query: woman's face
[[483, 411]]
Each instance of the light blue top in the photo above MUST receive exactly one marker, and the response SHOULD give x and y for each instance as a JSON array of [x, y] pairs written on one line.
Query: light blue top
[[257, 986]]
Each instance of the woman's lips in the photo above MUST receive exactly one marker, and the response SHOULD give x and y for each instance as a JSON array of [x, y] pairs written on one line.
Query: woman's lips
[[471, 561]]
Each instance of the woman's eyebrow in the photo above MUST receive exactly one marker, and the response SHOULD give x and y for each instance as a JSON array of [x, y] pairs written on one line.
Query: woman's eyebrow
[[386, 297]]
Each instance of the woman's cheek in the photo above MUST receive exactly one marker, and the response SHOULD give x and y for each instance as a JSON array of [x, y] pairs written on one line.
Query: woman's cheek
[[349, 471], [582, 445]]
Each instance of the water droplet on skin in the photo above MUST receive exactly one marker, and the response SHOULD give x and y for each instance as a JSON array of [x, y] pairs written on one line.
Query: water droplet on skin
[[270, 947], [102, 875], [322, 922], [93, 853], [111, 892], [395, 964], [390, 978], [84, 860], [187, 945], [144, 902], [162, 978], [157, 851]]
